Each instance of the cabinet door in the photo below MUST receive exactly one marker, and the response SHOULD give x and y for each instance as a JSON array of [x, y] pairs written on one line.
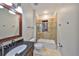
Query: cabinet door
[[30, 52]]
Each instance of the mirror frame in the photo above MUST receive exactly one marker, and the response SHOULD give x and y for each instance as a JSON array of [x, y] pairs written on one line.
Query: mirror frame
[[20, 25]]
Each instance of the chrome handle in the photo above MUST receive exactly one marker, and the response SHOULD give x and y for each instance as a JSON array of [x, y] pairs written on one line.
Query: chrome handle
[[60, 45]]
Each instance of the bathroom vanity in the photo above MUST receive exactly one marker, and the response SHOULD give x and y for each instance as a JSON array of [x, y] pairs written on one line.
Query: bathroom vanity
[[10, 29], [28, 51]]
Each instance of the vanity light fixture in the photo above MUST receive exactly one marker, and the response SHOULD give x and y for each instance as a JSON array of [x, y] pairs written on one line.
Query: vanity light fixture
[[10, 4], [11, 12], [44, 17], [1, 6], [19, 9]]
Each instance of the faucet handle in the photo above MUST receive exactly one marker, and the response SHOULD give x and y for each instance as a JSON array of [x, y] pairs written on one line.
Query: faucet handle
[[60, 45], [13, 42]]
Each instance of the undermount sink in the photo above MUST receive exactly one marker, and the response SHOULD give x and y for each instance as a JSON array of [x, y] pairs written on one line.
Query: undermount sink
[[17, 50]]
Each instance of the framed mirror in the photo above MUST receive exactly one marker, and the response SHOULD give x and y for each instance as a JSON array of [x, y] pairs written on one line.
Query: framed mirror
[[10, 24]]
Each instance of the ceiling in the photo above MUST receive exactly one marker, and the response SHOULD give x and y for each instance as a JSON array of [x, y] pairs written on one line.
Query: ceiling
[[41, 7], [51, 8]]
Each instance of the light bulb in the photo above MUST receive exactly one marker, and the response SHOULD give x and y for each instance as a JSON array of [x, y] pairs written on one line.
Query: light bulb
[[1, 6], [10, 4], [19, 9], [11, 12], [45, 17], [45, 12]]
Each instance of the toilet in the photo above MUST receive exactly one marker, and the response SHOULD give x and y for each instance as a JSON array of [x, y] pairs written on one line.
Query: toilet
[[45, 47]]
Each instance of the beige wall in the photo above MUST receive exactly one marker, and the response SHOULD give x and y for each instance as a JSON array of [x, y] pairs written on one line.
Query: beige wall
[[51, 33]]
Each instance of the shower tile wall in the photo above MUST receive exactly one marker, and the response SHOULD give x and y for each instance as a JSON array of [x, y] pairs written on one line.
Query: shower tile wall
[[52, 31]]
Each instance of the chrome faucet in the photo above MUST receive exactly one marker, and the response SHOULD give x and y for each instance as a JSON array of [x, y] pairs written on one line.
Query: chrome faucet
[[13, 42]]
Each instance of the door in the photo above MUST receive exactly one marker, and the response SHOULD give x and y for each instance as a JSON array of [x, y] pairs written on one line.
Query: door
[[67, 34]]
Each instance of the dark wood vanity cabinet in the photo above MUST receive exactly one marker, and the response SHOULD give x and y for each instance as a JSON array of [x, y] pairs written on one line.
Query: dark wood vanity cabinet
[[29, 52]]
